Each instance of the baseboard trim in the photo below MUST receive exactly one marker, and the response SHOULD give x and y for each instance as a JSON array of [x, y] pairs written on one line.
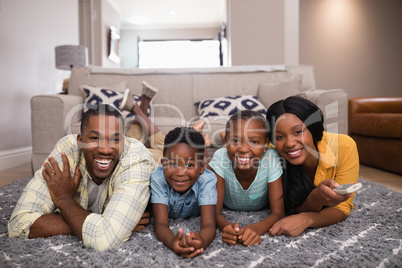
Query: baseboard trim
[[15, 157]]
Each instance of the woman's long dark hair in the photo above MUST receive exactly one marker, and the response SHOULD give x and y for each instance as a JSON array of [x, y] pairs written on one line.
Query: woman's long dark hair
[[297, 184]]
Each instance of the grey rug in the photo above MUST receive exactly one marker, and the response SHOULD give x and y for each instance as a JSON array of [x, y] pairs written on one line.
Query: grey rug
[[370, 237]]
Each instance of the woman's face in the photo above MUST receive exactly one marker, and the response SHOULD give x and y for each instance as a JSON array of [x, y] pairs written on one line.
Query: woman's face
[[294, 141]]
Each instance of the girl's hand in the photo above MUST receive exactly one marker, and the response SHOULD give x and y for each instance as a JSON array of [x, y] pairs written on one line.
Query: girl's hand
[[292, 225], [184, 251], [324, 194], [249, 237], [230, 233]]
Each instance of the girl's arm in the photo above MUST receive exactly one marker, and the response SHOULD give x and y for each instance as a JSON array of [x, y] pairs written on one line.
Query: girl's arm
[[220, 189], [230, 231], [277, 206], [166, 236]]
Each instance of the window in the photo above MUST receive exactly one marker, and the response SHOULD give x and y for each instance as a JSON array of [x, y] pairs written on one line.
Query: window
[[179, 54]]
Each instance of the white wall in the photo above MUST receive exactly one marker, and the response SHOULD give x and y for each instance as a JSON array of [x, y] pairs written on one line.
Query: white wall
[[29, 32], [353, 45], [110, 17], [256, 32]]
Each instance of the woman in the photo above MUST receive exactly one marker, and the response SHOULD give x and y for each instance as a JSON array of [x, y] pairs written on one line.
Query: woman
[[315, 163]]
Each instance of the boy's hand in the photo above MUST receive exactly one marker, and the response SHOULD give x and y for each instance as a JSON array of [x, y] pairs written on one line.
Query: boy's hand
[[249, 237], [143, 223], [192, 240], [183, 251], [230, 233]]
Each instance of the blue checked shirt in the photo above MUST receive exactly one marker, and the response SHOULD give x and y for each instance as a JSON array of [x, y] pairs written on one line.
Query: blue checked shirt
[[122, 202], [203, 192]]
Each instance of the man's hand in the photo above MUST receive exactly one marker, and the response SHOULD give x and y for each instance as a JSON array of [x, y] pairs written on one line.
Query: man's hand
[[249, 237], [143, 223], [324, 194], [230, 233], [184, 251], [61, 186]]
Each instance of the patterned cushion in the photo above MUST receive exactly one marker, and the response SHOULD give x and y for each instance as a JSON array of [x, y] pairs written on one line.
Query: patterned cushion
[[229, 105], [97, 95]]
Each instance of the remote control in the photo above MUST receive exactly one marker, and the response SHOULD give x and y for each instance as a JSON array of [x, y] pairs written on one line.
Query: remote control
[[347, 188]]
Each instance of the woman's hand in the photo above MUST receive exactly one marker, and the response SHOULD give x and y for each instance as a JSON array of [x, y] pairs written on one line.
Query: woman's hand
[[325, 196], [292, 225]]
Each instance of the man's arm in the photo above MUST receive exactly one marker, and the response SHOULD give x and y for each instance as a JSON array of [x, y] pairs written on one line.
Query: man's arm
[[35, 202], [49, 225], [62, 190]]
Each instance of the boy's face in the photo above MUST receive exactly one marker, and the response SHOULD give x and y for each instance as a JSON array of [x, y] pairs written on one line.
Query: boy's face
[[102, 141], [182, 165]]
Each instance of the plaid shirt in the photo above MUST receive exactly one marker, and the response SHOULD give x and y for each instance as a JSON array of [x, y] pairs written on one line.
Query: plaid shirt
[[122, 202]]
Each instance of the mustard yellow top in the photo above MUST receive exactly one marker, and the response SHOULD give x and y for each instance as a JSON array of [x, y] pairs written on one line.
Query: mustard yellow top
[[339, 160]]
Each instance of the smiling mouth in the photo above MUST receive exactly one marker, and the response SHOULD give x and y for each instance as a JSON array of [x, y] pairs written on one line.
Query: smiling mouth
[[180, 182], [294, 153], [243, 160], [103, 163]]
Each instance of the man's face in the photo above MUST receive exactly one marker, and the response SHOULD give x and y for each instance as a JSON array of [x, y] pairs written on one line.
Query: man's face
[[102, 141], [182, 165]]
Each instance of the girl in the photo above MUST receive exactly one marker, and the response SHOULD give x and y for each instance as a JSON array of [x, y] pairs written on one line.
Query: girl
[[316, 162], [249, 178]]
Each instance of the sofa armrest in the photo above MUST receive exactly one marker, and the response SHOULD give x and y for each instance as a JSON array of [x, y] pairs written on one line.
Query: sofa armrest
[[392, 105], [334, 105], [51, 117], [366, 105]]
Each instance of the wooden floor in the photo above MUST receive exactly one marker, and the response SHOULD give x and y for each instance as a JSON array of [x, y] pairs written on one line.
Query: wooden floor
[[390, 180]]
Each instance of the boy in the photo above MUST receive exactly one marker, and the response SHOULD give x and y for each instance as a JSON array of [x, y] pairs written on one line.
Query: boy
[[182, 188]]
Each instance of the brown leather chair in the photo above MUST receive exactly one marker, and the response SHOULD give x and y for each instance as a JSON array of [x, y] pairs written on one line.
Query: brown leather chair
[[376, 126]]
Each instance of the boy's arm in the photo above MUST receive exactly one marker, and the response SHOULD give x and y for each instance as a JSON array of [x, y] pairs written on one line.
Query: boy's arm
[[166, 236], [161, 223], [207, 231]]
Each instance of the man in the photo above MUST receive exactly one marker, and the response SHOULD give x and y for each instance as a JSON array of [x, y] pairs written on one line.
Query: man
[[94, 185]]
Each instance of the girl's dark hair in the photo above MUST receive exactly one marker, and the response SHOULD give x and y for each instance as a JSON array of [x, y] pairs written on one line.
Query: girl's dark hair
[[187, 135], [245, 114], [297, 184]]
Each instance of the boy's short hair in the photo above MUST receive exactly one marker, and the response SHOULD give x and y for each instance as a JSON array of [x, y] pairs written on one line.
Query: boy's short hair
[[101, 109], [187, 135]]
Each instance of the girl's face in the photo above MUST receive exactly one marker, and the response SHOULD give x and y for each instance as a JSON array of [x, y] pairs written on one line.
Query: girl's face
[[246, 143], [294, 141]]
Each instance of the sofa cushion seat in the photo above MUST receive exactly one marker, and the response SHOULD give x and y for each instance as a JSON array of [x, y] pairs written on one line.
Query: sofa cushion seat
[[382, 125]]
